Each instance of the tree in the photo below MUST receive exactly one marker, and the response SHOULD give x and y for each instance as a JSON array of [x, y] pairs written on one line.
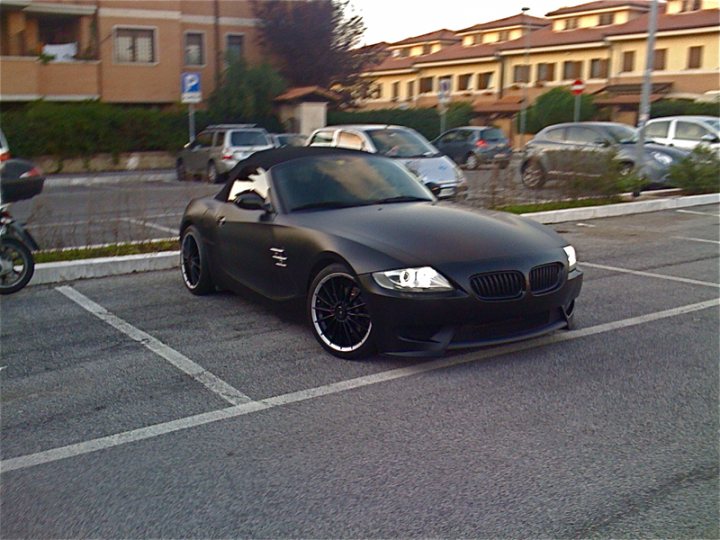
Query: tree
[[556, 106], [246, 94], [313, 40]]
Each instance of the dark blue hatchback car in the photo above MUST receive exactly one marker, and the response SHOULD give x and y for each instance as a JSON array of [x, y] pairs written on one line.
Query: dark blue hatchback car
[[472, 146]]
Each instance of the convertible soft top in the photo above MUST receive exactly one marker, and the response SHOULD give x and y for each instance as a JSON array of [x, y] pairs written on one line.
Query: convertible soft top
[[265, 159]]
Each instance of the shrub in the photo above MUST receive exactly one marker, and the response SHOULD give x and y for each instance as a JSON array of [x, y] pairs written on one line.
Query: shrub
[[554, 107], [679, 107], [698, 172]]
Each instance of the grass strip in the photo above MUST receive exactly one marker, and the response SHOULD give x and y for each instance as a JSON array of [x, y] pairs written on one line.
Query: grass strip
[[114, 250], [556, 205]]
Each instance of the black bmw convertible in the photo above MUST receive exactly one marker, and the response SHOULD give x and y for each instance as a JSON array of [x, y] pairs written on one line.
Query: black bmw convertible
[[382, 265]]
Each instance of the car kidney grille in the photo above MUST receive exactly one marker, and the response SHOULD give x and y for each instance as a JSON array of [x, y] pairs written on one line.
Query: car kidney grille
[[545, 278], [498, 285]]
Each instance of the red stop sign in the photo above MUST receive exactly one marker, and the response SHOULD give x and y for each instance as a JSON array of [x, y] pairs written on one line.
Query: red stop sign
[[577, 87]]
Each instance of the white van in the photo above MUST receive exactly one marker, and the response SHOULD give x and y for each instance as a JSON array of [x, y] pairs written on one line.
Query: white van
[[685, 131]]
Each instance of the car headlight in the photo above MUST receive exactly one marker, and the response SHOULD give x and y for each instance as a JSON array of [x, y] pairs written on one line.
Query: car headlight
[[572, 257], [423, 279], [661, 158]]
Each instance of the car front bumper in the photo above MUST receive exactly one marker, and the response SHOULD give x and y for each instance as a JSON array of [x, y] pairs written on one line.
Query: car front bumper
[[429, 324]]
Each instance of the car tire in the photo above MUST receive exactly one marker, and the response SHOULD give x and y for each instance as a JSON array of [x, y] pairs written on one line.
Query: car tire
[[194, 264], [14, 254], [471, 161], [180, 170], [211, 174], [338, 314], [504, 164], [533, 175]]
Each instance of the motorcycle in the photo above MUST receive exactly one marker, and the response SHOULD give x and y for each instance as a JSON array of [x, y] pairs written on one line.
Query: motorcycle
[[19, 180]]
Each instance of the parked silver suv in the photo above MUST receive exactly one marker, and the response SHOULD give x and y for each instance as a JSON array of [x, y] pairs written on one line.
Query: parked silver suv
[[436, 171], [685, 132], [218, 148]]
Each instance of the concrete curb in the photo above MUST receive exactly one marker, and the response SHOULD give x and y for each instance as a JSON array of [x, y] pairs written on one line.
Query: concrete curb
[[622, 209], [112, 266], [129, 177]]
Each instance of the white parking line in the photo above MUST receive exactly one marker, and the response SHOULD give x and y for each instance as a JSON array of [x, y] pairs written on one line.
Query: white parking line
[[56, 454], [151, 225], [696, 239], [180, 361], [650, 274], [698, 213]]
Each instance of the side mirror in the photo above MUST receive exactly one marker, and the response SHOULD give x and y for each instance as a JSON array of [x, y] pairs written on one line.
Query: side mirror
[[434, 188], [602, 142], [250, 200], [710, 138]]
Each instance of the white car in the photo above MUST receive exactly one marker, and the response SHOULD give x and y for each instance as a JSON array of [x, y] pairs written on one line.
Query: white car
[[438, 172], [685, 132]]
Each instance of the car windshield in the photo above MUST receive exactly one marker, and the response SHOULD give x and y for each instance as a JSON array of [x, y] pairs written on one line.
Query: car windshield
[[401, 143], [713, 123], [493, 134], [339, 181], [622, 134], [248, 138]]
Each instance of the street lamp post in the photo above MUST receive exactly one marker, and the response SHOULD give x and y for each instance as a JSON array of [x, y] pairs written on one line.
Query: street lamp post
[[644, 110], [523, 104]]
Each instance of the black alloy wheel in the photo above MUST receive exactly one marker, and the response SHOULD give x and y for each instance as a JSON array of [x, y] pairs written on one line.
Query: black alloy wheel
[[471, 161], [16, 265], [194, 263], [338, 313], [212, 173]]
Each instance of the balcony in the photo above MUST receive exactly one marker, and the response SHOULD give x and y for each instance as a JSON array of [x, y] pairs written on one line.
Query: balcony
[[28, 78]]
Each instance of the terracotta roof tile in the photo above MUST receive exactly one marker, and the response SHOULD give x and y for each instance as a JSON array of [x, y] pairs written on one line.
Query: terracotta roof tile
[[458, 52], [548, 37], [676, 21], [438, 35], [602, 4], [515, 20], [307, 91], [392, 63]]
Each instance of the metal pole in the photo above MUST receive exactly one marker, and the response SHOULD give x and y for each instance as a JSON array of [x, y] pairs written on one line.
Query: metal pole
[[191, 122], [443, 110], [523, 105], [576, 114], [644, 111]]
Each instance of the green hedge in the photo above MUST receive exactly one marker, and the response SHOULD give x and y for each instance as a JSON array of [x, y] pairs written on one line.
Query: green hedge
[[679, 107], [70, 130], [425, 120]]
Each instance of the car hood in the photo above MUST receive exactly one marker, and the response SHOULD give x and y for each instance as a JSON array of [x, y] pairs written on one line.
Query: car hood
[[676, 153], [435, 234], [437, 169]]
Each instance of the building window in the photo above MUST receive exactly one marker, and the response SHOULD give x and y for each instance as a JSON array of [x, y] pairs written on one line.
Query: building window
[[410, 89], [628, 61], [395, 91], [445, 81], [484, 80], [571, 24], [234, 47], [426, 85], [478, 39], [606, 19], [691, 5], [194, 49], [572, 70], [403, 53], [427, 49], [695, 57], [504, 35], [134, 45], [545, 72], [598, 68], [377, 91], [521, 73], [659, 60], [464, 82]]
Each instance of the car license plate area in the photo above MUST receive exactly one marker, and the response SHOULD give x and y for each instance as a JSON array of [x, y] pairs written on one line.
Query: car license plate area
[[447, 192]]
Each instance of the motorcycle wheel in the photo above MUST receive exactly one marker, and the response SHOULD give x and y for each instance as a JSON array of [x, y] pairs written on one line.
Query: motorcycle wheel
[[16, 265]]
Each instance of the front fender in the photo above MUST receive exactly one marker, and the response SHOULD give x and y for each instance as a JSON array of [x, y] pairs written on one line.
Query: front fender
[[16, 230]]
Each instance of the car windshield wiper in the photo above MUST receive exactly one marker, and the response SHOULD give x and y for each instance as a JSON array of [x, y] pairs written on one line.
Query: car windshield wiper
[[401, 198], [424, 154], [324, 205]]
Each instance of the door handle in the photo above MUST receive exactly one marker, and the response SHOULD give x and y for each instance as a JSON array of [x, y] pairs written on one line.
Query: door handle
[[221, 221]]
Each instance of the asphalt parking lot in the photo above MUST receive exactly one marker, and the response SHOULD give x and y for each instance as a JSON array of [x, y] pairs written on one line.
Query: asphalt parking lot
[[132, 409]]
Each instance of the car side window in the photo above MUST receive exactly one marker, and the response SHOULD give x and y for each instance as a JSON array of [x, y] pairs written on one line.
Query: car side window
[[493, 134], [449, 137], [350, 140], [323, 138], [219, 138], [582, 135], [464, 135], [204, 139], [689, 131], [250, 181], [657, 129], [557, 135]]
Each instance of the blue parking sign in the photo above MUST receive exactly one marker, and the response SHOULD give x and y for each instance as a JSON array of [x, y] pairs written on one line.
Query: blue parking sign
[[190, 88]]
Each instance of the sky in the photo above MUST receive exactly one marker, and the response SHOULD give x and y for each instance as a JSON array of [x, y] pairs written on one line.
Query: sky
[[394, 20]]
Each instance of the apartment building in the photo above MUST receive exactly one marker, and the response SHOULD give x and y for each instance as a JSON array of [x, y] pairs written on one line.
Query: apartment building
[[603, 43], [119, 51]]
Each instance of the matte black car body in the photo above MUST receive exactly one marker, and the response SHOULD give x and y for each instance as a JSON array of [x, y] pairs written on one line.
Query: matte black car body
[[472, 146], [255, 243], [556, 150]]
